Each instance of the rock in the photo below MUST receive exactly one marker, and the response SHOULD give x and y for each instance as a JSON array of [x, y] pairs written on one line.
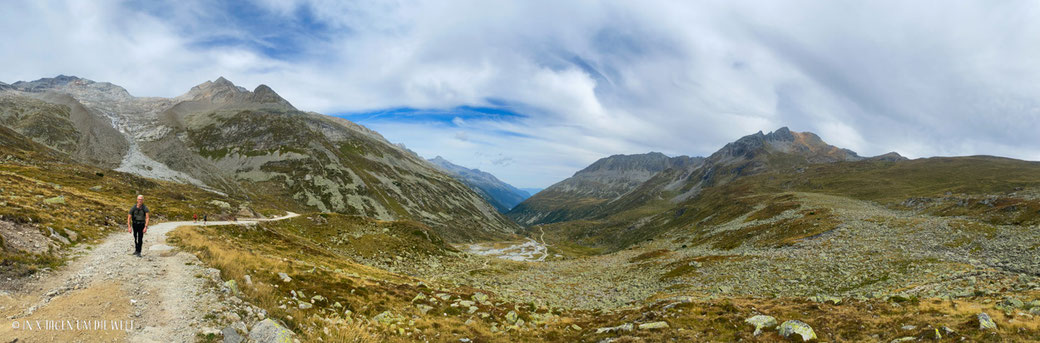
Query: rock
[[908, 327], [761, 322], [249, 280], [653, 325], [904, 339], [418, 297], [825, 299], [793, 327], [444, 296], [986, 323], [304, 305], [284, 277], [424, 308], [231, 335], [466, 303], [511, 317], [575, 327], [96, 188], [231, 285], [480, 298], [1011, 303], [622, 327], [73, 236], [222, 204], [318, 298], [268, 331], [55, 200]]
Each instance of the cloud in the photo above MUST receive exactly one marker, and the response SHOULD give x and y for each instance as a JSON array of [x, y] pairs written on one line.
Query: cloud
[[578, 80]]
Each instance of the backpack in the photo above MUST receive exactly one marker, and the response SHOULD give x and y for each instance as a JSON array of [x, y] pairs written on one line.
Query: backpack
[[138, 214]]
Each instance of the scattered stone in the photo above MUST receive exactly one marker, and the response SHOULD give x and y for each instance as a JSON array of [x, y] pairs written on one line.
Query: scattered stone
[[55, 200], [305, 305], [511, 317], [761, 322], [792, 327], [418, 297], [249, 280], [653, 325], [904, 339], [575, 327], [908, 327], [986, 323], [284, 277], [424, 308]]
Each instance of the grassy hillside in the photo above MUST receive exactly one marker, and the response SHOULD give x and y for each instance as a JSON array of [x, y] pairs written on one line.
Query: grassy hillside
[[994, 190]]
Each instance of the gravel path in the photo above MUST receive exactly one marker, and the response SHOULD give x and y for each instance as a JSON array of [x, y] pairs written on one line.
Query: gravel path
[[167, 290]]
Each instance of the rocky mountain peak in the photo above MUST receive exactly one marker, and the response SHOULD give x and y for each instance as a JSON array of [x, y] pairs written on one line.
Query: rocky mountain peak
[[783, 140], [223, 91]]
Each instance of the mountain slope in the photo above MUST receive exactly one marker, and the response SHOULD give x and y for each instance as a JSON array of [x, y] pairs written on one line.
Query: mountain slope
[[591, 188], [255, 145], [499, 194], [746, 179]]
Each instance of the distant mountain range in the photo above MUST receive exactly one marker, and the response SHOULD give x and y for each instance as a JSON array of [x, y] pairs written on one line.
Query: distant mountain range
[[499, 194], [624, 199], [247, 144], [605, 180]]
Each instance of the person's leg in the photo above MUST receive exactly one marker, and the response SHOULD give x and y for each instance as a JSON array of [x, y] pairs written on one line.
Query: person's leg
[[138, 239]]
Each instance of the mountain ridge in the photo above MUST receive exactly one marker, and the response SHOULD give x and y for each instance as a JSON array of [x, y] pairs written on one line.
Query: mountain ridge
[[256, 145], [500, 194]]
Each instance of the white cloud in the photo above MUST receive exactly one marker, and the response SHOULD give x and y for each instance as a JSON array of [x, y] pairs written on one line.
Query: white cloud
[[593, 77]]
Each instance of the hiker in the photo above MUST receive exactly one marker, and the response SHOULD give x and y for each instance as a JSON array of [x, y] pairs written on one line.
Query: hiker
[[137, 222], [205, 217], [194, 217]]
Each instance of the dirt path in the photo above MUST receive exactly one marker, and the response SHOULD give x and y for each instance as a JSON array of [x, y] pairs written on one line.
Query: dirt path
[[160, 297]]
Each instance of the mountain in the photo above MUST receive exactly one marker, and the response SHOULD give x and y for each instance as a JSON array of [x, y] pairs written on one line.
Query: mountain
[[589, 189], [748, 175], [499, 194], [252, 145]]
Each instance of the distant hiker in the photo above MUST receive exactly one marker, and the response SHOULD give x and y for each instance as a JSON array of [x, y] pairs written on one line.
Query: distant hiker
[[194, 217], [205, 217], [137, 222]]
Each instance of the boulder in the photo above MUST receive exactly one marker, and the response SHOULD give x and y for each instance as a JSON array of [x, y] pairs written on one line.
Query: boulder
[[986, 323], [653, 325], [284, 277], [622, 327], [761, 322], [269, 331], [480, 298], [511, 317], [797, 327]]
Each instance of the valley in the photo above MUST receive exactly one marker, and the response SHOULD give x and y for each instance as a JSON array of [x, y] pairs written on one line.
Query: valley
[[388, 246]]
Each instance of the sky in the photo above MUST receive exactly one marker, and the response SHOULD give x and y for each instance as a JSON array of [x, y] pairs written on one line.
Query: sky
[[533, 91]]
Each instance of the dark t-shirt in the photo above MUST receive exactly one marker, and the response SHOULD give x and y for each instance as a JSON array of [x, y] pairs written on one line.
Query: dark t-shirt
[[138, 214]]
